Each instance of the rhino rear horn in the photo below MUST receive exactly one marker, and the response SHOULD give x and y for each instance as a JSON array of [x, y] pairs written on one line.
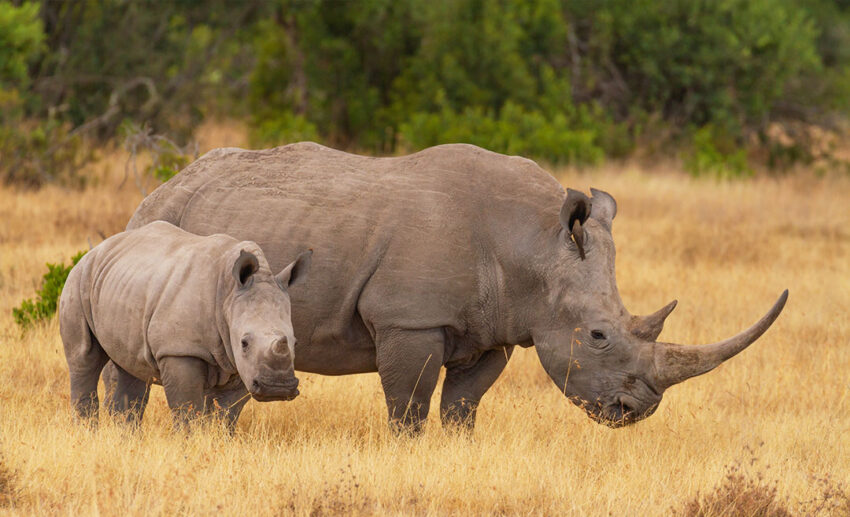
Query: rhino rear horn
[[574, 213], [650, 326]]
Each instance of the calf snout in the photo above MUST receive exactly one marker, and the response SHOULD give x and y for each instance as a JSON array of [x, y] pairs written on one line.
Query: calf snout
[[266, 390]]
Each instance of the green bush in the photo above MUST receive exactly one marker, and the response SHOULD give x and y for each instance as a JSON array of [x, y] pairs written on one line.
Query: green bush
[[284, 128], [513, 131], [716, 154], [557, 80], [32, 150], [44, 305], [21, 41]]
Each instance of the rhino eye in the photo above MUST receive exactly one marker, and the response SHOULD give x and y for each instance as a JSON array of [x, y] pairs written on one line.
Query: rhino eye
[[597, 334], [244, 343]]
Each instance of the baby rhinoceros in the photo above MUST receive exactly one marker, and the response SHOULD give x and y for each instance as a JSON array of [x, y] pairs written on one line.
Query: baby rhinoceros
[[200, 315]]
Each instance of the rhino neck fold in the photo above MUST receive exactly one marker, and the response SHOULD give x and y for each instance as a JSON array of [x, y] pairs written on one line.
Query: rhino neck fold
[[512, 292], [224, 301]]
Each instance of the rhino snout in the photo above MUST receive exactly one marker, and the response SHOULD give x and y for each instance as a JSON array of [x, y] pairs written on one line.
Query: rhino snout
[[267, 390], [622, 411]]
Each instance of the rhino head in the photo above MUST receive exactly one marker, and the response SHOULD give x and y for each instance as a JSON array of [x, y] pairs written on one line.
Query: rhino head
[[602, 358], [258, 314]]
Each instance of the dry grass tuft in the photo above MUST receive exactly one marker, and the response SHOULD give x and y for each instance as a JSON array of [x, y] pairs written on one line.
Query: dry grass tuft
[[747, 489], [725, 250], [740, 493], [7, 485], [833, 498]]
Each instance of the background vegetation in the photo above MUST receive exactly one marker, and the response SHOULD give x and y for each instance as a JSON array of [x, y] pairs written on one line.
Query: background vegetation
[[765, 434], [111, 97], [726, 85]]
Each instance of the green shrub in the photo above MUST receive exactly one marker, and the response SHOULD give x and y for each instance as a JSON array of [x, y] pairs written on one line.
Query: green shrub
[[514, 130], [32, 150], [43, 306], [21, 41], [282, 129], [716, 154]]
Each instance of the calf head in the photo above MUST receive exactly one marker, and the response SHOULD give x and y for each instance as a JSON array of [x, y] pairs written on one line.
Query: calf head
[[602, 358], [259, 318]]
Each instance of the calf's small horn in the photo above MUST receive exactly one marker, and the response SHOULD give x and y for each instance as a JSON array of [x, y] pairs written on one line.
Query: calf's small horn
[[281, 346], [676, 363], [650, 326]]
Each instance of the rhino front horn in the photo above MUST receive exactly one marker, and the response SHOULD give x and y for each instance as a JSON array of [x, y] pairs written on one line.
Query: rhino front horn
[[676, 363], [649, 327]]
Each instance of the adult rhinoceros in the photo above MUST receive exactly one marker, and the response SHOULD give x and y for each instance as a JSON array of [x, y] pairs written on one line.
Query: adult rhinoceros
[[444, 258]]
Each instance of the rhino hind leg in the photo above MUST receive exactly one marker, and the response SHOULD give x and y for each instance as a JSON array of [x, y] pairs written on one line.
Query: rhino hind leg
[[409, 363], [86, 359], [465, 385], [126, 395]]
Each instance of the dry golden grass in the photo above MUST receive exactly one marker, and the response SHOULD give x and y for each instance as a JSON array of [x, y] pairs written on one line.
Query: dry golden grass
[[725, 250]]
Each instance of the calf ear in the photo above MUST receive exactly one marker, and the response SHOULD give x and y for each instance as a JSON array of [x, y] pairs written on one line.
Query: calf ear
[[574, 213], [244, 268], [604, 207], [295, 272]]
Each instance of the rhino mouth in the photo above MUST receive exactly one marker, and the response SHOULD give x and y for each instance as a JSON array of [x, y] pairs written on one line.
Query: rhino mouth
[[618, 414], [264, 391]]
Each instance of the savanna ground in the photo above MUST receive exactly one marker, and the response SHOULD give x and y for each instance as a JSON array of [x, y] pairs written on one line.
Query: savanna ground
[[778, 415]]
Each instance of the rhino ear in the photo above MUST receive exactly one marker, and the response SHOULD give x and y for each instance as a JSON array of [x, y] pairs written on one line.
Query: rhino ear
[[574, 213], [244, 268], [295, 272], [604, 207]]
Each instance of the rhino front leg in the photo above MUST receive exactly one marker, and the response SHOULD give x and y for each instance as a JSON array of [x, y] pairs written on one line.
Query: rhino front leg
[[126, 395], [464, 387], [184, 380], [227, 404], [409, 363]]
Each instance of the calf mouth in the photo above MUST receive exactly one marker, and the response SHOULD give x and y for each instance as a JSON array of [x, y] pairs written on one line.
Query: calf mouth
[[264, 391]]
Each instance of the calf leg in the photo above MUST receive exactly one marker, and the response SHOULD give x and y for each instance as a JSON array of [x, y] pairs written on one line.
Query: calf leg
[[184, 380], [227, 404], [409, 363], [126, 395], [84, 354], [464, 387]]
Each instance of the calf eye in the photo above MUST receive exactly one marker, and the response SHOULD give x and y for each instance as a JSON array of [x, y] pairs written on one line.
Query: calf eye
[[597, 334], [244, 344]]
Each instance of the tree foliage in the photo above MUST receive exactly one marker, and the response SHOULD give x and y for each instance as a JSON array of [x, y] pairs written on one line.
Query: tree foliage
[[560, 80]]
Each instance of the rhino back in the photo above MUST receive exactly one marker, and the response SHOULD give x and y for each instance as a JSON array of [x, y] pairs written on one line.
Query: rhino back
[[401, 240], [152, 292]]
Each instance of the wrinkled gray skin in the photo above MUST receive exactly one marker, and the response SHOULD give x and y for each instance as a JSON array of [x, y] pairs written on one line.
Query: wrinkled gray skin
[[444, 258], [201, 315]]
